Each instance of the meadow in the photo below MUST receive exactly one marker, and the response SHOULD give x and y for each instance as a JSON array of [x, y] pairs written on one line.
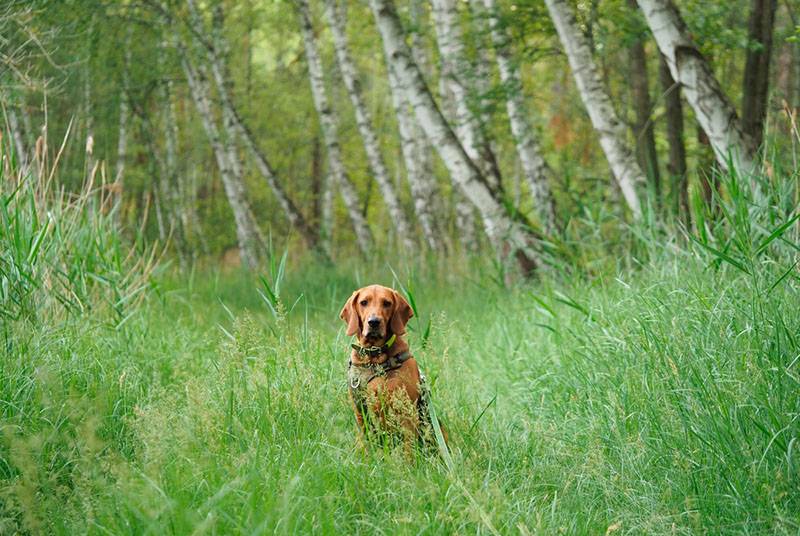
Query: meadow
[[659, 396]]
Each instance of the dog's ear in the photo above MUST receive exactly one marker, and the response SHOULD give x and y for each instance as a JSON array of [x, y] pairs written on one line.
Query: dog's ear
[[402, 312], [350, 315]]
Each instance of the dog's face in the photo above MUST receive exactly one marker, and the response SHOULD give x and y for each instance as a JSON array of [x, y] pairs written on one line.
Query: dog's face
[[375, 313]]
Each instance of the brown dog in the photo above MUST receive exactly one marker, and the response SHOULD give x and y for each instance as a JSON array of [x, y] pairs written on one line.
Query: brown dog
[[383, 377]]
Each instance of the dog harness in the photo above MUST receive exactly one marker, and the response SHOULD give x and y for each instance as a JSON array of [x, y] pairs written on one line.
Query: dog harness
[[359, 375]]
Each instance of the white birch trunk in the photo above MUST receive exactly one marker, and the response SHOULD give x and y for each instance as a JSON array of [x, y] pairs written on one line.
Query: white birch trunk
[[89, 117], [17, 136], [456, 73], [712, 108], [365, 128], [422, 180], [504, 232], [122, 138], [246, 229], [537, 172], [327, 119], [235, 125], [463, 208], [612, 131], [423, 189]]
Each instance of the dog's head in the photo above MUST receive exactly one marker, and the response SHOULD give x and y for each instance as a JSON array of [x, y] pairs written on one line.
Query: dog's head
[[375, 313]]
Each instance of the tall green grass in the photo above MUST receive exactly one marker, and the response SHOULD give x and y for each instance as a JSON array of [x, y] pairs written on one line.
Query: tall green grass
[[661, 398]]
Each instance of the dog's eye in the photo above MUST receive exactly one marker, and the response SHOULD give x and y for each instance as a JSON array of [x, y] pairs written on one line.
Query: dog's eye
[[363, 302], [386, 303]]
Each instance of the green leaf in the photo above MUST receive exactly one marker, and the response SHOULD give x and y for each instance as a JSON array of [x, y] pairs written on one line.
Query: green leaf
[[776, 233], [722, 256]]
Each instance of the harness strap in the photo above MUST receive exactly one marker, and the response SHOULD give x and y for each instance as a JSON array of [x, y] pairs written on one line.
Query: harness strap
[[379, 369]]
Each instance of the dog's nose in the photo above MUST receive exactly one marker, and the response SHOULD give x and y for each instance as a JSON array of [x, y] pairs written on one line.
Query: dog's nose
[[374, 321]]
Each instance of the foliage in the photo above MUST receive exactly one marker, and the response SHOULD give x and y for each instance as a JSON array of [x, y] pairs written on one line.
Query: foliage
[[659, 399]]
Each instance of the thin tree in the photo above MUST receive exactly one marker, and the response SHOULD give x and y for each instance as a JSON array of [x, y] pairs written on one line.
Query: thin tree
[[365, 125], [420, 180], [124, 111], [328, 123], [247, 232], [216, 51], [676, 165], [537, 172], [644, 129], [626, 170], [755, 87], [456, 73], [713, 110], [505, 233]]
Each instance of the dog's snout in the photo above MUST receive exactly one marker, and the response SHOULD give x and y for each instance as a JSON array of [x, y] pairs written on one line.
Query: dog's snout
[[374, 322]]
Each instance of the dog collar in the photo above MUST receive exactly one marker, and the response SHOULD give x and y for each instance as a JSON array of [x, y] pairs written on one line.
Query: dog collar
[[374, 351]]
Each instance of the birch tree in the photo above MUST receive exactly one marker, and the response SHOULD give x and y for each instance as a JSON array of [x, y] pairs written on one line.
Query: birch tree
[[124, 111], [216, 51], [712, 108], [16, 135], [247, 232], [423, 189], [624, 167], [535, 169], [365, 125], [506, 233], [328, 122], [455, 73]]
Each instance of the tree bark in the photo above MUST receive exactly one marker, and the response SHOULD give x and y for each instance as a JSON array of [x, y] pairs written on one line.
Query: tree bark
[[755, 90], [644, 130], [328, 123], [712, 108], [676, 166], [365, 126], [124, 112], [504, 232], [537, 172], [17, 136], [247, 232], [423, 189], [464, 210], [456, 72], [627, 172], [217, 51]]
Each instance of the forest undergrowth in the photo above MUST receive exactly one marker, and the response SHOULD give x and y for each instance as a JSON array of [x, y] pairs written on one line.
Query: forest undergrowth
[[658, 396]]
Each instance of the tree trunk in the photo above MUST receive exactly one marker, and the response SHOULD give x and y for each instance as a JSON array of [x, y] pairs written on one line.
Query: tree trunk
[[328, 122], [456, 73], [246, 229], [365, 126], [464, 210], [423, 189], [217, 51], [509, 235], [17, 136], [712, 108], [755, 89], [644, 131], [676, 166], [604, 119], [89, 121], [537, 172], [124, 110]]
